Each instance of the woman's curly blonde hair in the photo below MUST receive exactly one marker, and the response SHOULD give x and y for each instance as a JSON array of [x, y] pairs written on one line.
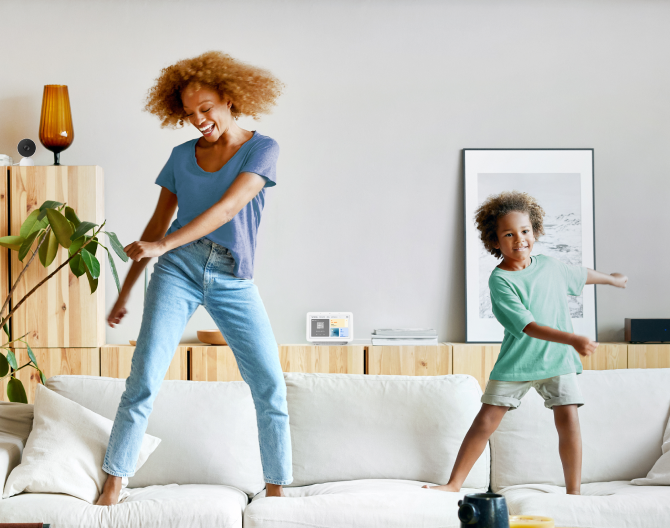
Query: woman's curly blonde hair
[[497, 206], [253, 91]]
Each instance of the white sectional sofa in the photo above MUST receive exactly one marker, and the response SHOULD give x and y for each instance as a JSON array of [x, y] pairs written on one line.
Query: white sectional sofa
[[362, 448]]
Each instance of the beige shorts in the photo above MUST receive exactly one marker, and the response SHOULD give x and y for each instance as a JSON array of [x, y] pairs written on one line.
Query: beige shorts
[[559, 390]]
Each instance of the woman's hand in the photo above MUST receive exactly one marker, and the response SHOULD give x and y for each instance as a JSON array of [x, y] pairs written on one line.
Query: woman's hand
[[141, 249], [117, 313]]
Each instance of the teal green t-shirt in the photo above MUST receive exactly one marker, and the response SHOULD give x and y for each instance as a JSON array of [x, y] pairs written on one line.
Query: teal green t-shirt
[[537, 293]]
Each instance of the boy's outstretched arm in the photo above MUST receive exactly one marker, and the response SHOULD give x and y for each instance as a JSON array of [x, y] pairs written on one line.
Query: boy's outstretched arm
[[615, 279], [582, 344]]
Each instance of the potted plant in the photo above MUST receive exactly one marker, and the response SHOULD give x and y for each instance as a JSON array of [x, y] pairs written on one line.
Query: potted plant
[[53, 225]]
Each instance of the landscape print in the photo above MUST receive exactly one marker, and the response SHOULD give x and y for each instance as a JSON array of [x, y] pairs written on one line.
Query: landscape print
[[560, 197]]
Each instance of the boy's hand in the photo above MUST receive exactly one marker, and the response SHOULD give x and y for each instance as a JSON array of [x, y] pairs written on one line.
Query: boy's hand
[[584, 346], [619, 280]]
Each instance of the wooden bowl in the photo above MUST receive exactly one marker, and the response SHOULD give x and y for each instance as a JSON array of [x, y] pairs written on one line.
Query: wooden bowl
[[211, 337], [132, 342]]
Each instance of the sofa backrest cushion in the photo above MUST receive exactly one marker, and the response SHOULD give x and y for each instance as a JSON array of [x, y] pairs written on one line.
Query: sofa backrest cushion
[[622, 424], [208, 430], [349, 427]]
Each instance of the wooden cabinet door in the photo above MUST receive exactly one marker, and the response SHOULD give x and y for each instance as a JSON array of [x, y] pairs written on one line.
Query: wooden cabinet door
[[62, 313], [434, 360], [648, 356], [214, 363], [115, 361], [608, 356], [322, 359]]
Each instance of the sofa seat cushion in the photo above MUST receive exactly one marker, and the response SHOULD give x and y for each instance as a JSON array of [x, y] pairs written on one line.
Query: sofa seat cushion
[[369, 503], [601, 505], [193, 505]]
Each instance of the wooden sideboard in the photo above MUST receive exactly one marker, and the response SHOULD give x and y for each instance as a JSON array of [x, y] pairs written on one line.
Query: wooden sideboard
[[200, 362]]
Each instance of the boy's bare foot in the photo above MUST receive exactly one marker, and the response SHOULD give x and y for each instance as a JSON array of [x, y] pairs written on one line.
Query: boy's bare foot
[[272, 490], [444, 487], [110, 491]]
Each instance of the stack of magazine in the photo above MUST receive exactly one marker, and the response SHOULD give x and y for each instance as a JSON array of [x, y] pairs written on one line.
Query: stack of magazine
[[404, 336]]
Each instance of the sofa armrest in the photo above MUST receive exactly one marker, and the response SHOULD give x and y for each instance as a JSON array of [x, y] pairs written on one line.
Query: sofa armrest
[[11, 449]]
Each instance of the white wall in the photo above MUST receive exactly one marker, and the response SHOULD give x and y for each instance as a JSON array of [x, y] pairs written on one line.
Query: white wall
[[380, 98]]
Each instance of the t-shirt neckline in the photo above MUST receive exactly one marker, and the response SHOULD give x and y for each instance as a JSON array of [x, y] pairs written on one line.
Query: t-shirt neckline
[[533, 260], [195, 160]]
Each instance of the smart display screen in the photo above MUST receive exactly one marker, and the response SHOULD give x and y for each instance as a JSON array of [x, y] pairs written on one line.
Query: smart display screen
[[329, 327]]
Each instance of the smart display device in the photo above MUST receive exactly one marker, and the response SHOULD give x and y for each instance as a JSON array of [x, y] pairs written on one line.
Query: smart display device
[[330, 328]]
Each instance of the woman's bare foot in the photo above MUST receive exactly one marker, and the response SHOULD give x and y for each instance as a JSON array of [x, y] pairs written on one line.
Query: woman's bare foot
[[110, 491], [444, 487], [272, 490]]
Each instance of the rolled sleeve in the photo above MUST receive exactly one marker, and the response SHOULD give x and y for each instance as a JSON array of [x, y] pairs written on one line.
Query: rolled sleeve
[[575, 277], [508, 308], [262, 160]]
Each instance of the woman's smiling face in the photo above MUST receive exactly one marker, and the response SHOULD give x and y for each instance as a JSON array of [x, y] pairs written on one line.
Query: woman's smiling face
[[207, 112]]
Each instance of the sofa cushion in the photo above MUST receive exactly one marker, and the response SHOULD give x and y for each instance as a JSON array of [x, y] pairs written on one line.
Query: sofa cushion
[[156, 506], [65, 450], [16, 422], [208, 430], [622, 426], [601, 505], [660, 473], [352, 427], [364, 503]]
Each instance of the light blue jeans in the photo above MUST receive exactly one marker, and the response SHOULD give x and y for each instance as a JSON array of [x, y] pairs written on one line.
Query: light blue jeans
[[201, 273]]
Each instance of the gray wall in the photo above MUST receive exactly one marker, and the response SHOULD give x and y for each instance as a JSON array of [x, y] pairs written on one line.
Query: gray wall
[[380, 98]]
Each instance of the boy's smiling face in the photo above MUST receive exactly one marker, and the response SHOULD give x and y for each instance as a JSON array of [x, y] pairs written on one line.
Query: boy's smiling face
[[515, 239]]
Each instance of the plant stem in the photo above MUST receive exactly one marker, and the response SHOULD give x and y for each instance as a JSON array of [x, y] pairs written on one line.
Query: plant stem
[[2, 323], [24, 366], [9, 295]]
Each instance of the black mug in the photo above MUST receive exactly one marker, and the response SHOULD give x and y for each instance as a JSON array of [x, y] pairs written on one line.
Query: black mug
[[483, 510]]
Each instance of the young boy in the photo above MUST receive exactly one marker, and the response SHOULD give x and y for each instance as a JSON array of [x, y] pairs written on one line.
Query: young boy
[[539, 348]]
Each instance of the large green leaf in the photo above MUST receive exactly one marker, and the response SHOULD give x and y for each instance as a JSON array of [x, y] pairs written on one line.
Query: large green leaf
[[12, 242], [77, 266], [6, 329], [11, 358], [91, 247], [114, 273], [61, 227], [82, 229], [48, 250], [4, 366], [116, 246], [49, 204], [27, 244], [31, 355], [93, 283], [72, 216], [29, 223], [76, 244], [42, 378], [92, 264], [15, 391]]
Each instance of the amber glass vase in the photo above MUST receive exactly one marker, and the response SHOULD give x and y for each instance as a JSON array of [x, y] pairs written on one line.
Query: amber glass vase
[[56, 132]]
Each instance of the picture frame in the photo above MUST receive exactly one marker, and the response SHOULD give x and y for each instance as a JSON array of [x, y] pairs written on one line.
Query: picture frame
[[562, 181]]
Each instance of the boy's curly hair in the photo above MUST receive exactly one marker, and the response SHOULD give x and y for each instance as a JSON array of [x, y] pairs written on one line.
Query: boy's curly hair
[[497, 206], [253, 91]]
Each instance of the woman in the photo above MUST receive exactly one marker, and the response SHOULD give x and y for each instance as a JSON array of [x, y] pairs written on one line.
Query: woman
[[207, 256]]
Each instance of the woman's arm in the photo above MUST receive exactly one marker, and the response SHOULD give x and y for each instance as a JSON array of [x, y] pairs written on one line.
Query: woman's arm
[[582, 344], [240, 193], [615, 279], [155, 230]]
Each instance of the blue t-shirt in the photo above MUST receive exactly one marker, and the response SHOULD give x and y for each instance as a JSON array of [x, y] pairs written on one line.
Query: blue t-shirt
[[197, 190]]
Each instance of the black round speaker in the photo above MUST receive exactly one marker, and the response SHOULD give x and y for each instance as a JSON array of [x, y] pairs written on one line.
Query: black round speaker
[[26, 147]]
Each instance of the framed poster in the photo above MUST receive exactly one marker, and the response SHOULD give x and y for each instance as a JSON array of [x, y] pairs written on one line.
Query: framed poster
[[561, 180]]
